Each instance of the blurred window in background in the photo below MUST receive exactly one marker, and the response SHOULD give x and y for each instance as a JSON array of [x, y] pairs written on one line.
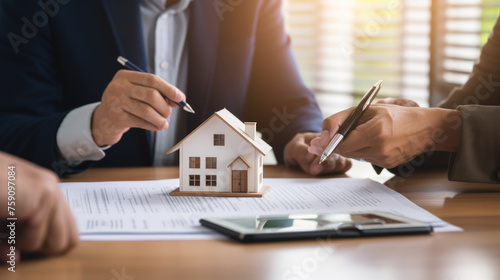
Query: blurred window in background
[[343, 47], [460, 29]]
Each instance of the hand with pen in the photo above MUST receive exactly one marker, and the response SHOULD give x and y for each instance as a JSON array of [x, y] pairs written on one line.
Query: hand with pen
[[297, 154], [314, 157], [133, 99], [392, 132]]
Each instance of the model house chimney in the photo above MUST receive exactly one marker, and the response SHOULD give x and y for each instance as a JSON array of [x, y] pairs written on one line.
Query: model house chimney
[[251, 129]]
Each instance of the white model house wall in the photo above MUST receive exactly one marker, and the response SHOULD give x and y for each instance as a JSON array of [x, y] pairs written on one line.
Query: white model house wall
[[201, 144]]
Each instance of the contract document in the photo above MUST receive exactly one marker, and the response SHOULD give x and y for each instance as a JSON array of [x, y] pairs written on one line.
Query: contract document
[[143, 210]]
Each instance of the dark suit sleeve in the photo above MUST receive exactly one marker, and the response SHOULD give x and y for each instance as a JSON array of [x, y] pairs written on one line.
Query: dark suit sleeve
[[31, 108], [277, 96]]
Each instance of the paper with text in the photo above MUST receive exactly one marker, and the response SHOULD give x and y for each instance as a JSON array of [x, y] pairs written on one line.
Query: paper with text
[[145, 207]]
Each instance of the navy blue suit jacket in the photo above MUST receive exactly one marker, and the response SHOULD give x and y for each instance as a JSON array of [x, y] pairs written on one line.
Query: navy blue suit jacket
[[58, 58]]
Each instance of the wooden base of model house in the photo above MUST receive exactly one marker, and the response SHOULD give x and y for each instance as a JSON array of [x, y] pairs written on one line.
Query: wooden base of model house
[[262, 192]]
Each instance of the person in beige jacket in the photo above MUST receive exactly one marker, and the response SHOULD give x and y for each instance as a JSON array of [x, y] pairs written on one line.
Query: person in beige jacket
[[396, 133]]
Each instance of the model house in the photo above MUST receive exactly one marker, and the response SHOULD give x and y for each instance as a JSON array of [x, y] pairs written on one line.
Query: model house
[[222, 157]]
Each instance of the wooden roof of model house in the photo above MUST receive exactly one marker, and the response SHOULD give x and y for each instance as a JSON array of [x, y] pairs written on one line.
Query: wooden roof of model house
[[237, 125]]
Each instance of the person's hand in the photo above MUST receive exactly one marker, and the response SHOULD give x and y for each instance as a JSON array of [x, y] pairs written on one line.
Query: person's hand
[[44, 221], [388, 135], [398, 101], [296, 154], [133, 99]]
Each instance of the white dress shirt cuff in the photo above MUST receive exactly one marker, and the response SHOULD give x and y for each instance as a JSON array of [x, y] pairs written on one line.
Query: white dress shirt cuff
[[74, 137]]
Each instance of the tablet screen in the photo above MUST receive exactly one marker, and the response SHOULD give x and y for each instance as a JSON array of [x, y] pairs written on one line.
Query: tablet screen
[[304, 222]]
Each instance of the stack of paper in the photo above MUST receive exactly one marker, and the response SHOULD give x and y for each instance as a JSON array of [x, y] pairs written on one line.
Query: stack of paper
[[144, 210]]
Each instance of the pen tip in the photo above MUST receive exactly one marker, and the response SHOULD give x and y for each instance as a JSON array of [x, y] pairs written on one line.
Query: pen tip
[[188, 108], [122, 60], [322, 159]]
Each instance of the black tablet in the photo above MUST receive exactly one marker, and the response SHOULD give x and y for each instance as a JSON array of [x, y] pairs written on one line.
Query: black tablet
[[301, 226]]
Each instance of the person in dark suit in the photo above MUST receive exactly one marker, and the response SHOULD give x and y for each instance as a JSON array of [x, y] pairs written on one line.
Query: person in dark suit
[[67, 104], [397, 134]]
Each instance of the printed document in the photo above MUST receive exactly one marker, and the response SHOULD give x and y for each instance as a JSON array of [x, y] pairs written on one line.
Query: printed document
[[139, 210]]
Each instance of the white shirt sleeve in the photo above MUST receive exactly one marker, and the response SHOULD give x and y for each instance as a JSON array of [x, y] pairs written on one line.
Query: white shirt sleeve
[[74, 137]]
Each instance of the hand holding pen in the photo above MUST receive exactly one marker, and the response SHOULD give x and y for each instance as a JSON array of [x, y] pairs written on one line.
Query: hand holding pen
[[347, 126], [392, 132], [129, 65], [133, 99]]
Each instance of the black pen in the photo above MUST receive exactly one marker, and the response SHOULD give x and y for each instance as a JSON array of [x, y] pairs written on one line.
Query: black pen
[[351, 122], [129, 65]]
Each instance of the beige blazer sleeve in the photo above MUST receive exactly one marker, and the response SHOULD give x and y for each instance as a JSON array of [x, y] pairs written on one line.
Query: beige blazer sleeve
[[478, 155], [478, 100]]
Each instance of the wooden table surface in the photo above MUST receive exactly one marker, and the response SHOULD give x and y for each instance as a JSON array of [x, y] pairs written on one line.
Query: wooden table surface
[[472, 254]]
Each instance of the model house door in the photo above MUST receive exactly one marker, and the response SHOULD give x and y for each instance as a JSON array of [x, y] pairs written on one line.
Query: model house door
[[239, 182]]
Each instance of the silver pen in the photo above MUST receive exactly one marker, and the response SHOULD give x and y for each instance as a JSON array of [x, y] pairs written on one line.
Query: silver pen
[[351, 122]]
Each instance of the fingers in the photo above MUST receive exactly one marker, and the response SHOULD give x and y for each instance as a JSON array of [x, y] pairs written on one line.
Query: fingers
[[357, 139], [307, 161], [330, 126], [148, 104], [35, 200], [335, 163], [62, 230], [5, 250], [57, 231], [349, 149], [325, 138], [155, 82], [44, 221], [35, 226], [142, 115], [316, 147], [51, 230], [153, 98], [399, 101], [389, 100], [133, 99], [318, 144], [333, 123], [73, 234], [297, 153], [138, 122]]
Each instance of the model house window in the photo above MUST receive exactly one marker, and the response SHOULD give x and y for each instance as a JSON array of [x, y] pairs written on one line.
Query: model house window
[[260, 161], [211, 162], [194, 180], [260, 178], [211, 180], [219, 140], [194, 162]]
